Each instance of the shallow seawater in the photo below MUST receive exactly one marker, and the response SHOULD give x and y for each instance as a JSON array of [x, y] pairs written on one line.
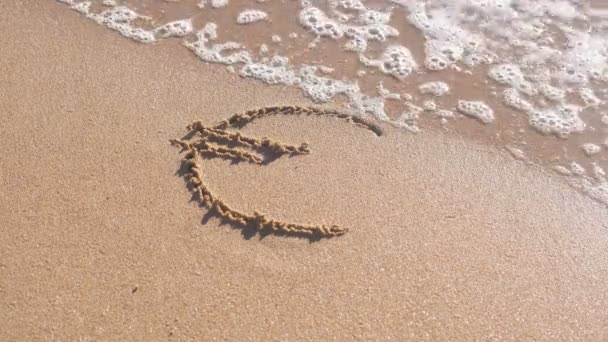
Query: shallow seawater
[[528, 76]]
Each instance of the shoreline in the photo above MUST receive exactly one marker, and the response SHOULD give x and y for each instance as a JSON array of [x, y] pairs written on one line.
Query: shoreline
[[447, 239]]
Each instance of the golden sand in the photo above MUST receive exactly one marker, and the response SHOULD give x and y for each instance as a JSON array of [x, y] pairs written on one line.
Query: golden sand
[[198, 147], [448, 240]]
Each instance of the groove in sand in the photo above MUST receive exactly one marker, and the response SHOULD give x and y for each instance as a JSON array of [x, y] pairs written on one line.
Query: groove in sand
[[202, 141]]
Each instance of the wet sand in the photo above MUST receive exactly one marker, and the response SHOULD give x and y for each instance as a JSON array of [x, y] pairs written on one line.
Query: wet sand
[[101, 240]]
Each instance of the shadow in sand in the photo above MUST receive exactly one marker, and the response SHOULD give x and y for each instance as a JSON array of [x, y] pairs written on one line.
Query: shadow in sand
[[203, 142]]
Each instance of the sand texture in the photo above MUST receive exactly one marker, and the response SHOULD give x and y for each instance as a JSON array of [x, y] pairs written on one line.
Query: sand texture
[[202, 143], [101, 238]]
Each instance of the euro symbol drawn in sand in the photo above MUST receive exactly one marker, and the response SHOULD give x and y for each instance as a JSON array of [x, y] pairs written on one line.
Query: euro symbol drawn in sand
[[218, 142]]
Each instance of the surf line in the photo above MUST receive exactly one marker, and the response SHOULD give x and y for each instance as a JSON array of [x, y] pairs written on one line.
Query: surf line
[[218, 142]]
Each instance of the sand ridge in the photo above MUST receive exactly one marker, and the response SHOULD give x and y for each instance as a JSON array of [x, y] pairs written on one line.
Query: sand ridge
[[198, 145]]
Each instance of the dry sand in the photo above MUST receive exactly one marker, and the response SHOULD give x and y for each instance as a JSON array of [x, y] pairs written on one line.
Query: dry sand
[[100, 241]]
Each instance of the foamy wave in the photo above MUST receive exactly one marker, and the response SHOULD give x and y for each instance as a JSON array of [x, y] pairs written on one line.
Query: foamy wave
[[545, 61]]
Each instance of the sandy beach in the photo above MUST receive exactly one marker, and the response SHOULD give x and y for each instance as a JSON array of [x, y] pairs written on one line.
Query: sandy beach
[[101, 240]]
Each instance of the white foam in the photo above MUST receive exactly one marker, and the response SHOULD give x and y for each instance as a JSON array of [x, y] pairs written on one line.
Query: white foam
[[121, 19], [562, 120], [511, 74], [552, 93], [364, 105], [396, 60], [585, 58], [117, 18], [429, 105], [387, 94], [316, 21], [447, 42], [263, 49], [367, 25], [251, 16], [477, 110], [536, 72], [322, 89], [217, 53], [83, 7], [435, 88], [513, 99], [577, 169], [276, 71], [591, 149], [526, 37], [178, 28], [318, 88], [219, 3], [598, 172], [407, 119], [370, 25], [444, 114], [589, 98], [325, 69], [356, 5]]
